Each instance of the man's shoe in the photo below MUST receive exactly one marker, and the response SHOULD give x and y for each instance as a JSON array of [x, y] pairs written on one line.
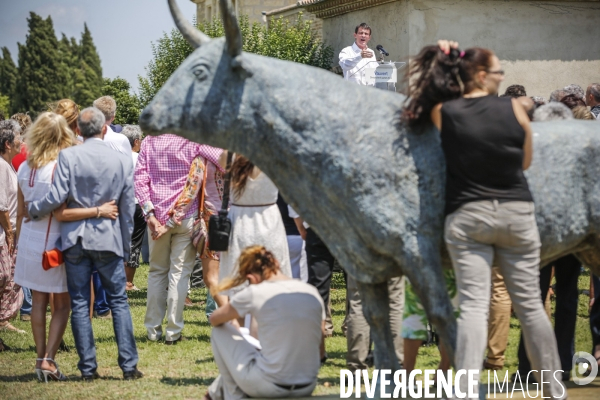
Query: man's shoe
[[25, 317], [172, 342], [106, 315], [90, 378], [132, 375], [487, 365]]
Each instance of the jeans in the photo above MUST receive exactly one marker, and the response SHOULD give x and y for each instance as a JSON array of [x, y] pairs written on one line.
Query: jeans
[[477, 234], [79, 264], [567, 270], [100, 303], [27, 305]]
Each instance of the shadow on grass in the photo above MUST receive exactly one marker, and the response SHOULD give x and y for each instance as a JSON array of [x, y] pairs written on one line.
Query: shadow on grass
[[205, 360], [187, 381], [70, 378]]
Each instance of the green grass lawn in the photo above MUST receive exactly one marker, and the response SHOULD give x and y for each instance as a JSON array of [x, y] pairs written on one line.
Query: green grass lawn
[[185, 370]]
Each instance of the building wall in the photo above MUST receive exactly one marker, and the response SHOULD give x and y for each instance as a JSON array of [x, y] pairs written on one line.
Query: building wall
[[543, 45], [208, 9]]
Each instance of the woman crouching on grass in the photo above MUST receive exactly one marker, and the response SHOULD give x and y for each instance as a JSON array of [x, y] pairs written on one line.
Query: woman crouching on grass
[[290, 317]]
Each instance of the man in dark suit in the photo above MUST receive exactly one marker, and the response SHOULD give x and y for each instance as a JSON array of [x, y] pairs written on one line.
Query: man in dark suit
[[88, 176]]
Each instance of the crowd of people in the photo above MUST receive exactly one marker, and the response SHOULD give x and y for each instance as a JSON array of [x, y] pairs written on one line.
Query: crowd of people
[[72, 228]]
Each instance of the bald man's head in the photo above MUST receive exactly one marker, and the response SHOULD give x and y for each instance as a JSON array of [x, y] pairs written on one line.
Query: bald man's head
[[592, 95]]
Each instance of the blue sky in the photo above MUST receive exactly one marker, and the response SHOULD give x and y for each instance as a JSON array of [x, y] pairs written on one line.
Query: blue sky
[[122, 29]]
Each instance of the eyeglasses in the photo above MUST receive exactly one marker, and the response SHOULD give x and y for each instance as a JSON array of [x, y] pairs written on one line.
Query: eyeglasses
[[499, 72]]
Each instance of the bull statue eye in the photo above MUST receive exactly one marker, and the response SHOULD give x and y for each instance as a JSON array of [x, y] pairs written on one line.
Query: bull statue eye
[[201, 72]]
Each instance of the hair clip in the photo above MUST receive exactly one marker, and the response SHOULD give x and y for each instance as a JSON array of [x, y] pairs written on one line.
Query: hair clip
[[462, 54]]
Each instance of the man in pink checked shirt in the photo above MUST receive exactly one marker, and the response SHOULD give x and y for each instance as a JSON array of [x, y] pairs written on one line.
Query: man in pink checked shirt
[[160, 175]]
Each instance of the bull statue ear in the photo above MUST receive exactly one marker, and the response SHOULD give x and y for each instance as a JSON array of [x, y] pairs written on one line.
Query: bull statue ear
[[233, 34], [194, 37]]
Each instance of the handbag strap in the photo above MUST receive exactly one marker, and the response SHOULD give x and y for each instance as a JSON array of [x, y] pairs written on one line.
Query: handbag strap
[[49, 219], [225, 204], [202, 190]]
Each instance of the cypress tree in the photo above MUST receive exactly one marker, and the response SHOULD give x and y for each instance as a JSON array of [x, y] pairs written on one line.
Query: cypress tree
[[69, 54], [41, 78], [88, 76], [8, 78]]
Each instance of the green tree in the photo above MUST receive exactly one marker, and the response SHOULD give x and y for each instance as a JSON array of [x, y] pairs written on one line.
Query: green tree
[[69, 54], [5, 106], [88, 73], [281, 39], [41, 79], [128, 105], [8, 79]]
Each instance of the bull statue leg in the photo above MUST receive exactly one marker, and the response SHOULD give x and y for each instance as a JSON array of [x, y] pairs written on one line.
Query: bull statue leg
[[429, 284], [376, 309]]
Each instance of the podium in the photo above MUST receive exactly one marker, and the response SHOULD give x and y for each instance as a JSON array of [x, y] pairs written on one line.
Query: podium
[[384, 74]]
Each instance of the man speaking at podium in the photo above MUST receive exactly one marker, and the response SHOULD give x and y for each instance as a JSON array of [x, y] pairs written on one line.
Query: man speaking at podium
[[354, 59]]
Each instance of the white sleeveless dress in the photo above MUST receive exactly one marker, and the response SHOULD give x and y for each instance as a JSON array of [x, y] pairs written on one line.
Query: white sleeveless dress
[[260, 224], [28, 270]]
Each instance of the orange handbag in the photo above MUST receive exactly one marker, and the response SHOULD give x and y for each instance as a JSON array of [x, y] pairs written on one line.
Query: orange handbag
[[51, 258]]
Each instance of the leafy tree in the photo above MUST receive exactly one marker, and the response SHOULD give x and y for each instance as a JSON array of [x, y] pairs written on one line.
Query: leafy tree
[[281, 39], [88, 72], [69, 54], [5, 106], [40, 77], [8, 79], [128, 105]]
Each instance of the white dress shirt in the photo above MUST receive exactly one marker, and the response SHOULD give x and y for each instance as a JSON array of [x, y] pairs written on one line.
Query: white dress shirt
[[117, 141], [354, 65]]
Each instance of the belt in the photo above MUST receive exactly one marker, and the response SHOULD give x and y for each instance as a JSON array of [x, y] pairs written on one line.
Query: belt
[[292, 387], [253, 205]]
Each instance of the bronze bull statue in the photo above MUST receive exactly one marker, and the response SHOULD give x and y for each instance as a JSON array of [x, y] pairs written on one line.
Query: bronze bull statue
[[371, 189]]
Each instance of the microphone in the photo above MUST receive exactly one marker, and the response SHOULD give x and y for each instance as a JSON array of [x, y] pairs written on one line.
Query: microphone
[[382, 50]]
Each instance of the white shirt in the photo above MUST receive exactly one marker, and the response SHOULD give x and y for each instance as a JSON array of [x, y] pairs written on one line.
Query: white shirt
[[289, 314], [293, 214], [117, 141], [354, 65]]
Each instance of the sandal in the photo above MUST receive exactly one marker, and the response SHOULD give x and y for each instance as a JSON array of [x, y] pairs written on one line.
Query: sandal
[[38, 371], [55, 375], [7, 326]]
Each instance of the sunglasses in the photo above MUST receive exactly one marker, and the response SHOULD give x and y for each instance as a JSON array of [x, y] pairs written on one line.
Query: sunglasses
[[499, 72]]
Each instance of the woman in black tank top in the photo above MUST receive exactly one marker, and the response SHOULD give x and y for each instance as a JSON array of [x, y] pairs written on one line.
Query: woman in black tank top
[[487, 142]]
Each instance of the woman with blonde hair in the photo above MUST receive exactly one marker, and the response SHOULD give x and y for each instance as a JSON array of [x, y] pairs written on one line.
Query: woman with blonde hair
[[45, 139], [69, 110], [291, 323]]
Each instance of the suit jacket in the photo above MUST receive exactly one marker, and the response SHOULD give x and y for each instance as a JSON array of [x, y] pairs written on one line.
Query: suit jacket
[[88, 176]]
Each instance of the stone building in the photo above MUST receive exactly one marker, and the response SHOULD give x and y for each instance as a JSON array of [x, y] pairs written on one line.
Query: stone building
[[542, 44], [208, 9]]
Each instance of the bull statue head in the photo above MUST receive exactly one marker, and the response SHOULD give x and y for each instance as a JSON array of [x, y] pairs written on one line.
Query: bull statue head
[[206, 91]]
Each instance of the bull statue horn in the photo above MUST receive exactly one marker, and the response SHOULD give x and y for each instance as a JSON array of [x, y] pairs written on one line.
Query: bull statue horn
[[233, 34], [194, 37]]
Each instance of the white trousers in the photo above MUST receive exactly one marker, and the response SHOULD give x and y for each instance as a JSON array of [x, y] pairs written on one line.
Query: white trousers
[[239, 376], [171, 264], [298, 257]]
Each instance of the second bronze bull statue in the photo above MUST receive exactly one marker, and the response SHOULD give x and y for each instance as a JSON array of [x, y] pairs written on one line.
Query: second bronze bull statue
[[373, 190]]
